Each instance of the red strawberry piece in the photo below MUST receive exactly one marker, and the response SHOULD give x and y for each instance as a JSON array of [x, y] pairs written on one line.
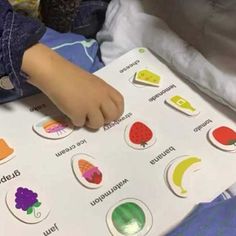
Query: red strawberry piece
[[140, 134], [225, 135]]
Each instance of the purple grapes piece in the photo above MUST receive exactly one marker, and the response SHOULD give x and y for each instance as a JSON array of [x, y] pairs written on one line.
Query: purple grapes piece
[[25, 198]]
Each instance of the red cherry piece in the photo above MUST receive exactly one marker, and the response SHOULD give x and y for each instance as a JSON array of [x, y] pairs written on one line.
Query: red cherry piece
[[140, 134], [225, 135]]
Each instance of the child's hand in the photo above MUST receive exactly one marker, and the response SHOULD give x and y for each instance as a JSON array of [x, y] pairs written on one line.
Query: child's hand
[[82, 96], [86, 99]]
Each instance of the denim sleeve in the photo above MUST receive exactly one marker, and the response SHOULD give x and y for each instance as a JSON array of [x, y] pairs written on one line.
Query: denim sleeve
[[17, 33]]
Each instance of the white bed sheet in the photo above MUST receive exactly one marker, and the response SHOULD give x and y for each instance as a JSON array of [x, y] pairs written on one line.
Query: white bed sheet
[[206, 24]]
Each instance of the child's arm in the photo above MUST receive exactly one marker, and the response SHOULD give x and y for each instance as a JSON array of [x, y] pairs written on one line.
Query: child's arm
[[82, 96]]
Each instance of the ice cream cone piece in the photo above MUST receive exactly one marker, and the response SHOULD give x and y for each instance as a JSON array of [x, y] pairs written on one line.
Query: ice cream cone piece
[[84, 166], [5, 150]]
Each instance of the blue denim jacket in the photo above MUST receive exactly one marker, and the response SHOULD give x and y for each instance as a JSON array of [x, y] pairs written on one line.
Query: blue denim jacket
[[17, 33], [89, 17]]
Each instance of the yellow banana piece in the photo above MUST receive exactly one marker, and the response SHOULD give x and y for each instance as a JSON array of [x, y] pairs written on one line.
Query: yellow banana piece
[[180, 169]]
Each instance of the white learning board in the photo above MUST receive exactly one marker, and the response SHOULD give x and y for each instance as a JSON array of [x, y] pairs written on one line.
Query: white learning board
[[172, 148]]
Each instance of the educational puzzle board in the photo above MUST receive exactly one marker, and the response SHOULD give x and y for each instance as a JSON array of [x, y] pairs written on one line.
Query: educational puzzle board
[[141, 175]]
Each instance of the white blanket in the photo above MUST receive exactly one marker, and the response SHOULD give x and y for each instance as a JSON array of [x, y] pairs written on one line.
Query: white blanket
[[194, 37]]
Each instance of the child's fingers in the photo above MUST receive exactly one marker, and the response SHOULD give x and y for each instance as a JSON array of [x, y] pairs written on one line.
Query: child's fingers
[[95, 119], [79, 121], [110, 111], [118, 100]]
